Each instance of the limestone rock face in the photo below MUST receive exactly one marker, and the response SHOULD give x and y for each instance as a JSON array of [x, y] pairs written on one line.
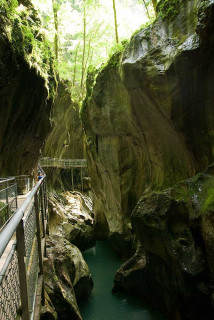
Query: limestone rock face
[[67, 279], [71, 216], [66, 140], [27, 87], [149, 118], [174, 269]]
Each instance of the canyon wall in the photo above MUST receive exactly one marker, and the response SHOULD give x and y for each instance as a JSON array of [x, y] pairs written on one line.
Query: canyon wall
[[148, 117], [27, 88], [66, 139], [149, 114]]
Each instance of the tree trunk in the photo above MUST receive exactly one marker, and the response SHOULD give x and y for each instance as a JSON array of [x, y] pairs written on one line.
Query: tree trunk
[[56, 27], [147, 11], [88, 55], [154, 3], [84, 44], [115, 22], [75, 66], [85, 66]]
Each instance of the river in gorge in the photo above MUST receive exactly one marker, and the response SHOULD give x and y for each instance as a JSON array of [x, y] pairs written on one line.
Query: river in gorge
[[102, 304]]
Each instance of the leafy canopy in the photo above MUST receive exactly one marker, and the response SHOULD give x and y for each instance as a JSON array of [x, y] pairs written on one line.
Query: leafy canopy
[[100, 37]]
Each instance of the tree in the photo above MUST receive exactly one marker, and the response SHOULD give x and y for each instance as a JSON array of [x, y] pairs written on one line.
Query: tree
[[84, 45], [115, 22], [154, 3], [56, 27], [147, 11], [81, 33], [75, 66]]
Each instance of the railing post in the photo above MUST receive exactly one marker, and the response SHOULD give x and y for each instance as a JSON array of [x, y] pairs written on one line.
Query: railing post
[[72, 177], [7, 200], [22, 271], [16, 194], [42, 211], [38, 233], [45, 198], [81, 180]]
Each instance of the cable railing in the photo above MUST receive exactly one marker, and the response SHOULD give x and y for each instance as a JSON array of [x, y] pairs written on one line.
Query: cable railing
[[22, 242], [62, 163]]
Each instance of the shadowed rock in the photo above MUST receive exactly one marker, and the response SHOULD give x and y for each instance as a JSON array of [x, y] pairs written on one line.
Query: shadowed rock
[[67, 279], [174, 267], [149, 116]]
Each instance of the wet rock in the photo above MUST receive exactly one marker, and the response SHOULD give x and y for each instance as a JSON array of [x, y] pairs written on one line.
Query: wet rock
[[67, 279], [47, 312], [122, 244], [71, 216], [175, 269]]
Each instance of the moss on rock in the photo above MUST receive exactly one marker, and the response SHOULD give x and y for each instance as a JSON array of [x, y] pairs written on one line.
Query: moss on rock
[[21, 25], [168, 9]]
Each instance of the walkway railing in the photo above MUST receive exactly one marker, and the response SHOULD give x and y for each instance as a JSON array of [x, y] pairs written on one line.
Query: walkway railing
[[22, 242], [8, 199], [63, 163], [24, 184]]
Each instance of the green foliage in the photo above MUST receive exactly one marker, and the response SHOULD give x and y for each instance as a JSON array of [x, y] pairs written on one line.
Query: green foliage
[[100, 36], [22, 27], [198, 189], [168, 9], [8, 7], [22, 37], [118, 47], [142, 27]]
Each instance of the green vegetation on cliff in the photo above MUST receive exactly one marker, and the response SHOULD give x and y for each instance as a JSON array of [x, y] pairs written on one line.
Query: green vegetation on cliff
[[168, 9], [82, 33], [22, 27]]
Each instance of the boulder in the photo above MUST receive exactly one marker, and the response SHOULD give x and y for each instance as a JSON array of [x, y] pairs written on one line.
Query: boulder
[[71, 216], [174, 266], [67, 279]]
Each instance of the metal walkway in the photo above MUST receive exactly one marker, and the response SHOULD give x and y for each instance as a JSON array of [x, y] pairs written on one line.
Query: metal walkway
[[72, 164], [22, 244], [62, 163]]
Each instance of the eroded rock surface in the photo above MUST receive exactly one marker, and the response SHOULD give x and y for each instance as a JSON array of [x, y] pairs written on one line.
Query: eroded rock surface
[[67, 279], [27, 88], [71, 216], [66, 140], [174, 269], [149, 116]]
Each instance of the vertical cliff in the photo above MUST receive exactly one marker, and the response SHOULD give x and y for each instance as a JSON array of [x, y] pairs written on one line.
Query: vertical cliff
[[149, 116], [149, 123], [66, 139], [27, 87]]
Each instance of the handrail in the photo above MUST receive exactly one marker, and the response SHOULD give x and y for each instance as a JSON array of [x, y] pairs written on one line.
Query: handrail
[[2, 180], [10, 228], [63, 163], [22, 246]]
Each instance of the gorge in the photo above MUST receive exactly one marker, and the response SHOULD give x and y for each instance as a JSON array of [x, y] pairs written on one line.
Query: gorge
[[145, 127]]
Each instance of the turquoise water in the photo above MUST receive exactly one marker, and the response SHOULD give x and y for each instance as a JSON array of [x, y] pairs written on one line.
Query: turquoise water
[[102, 305]]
